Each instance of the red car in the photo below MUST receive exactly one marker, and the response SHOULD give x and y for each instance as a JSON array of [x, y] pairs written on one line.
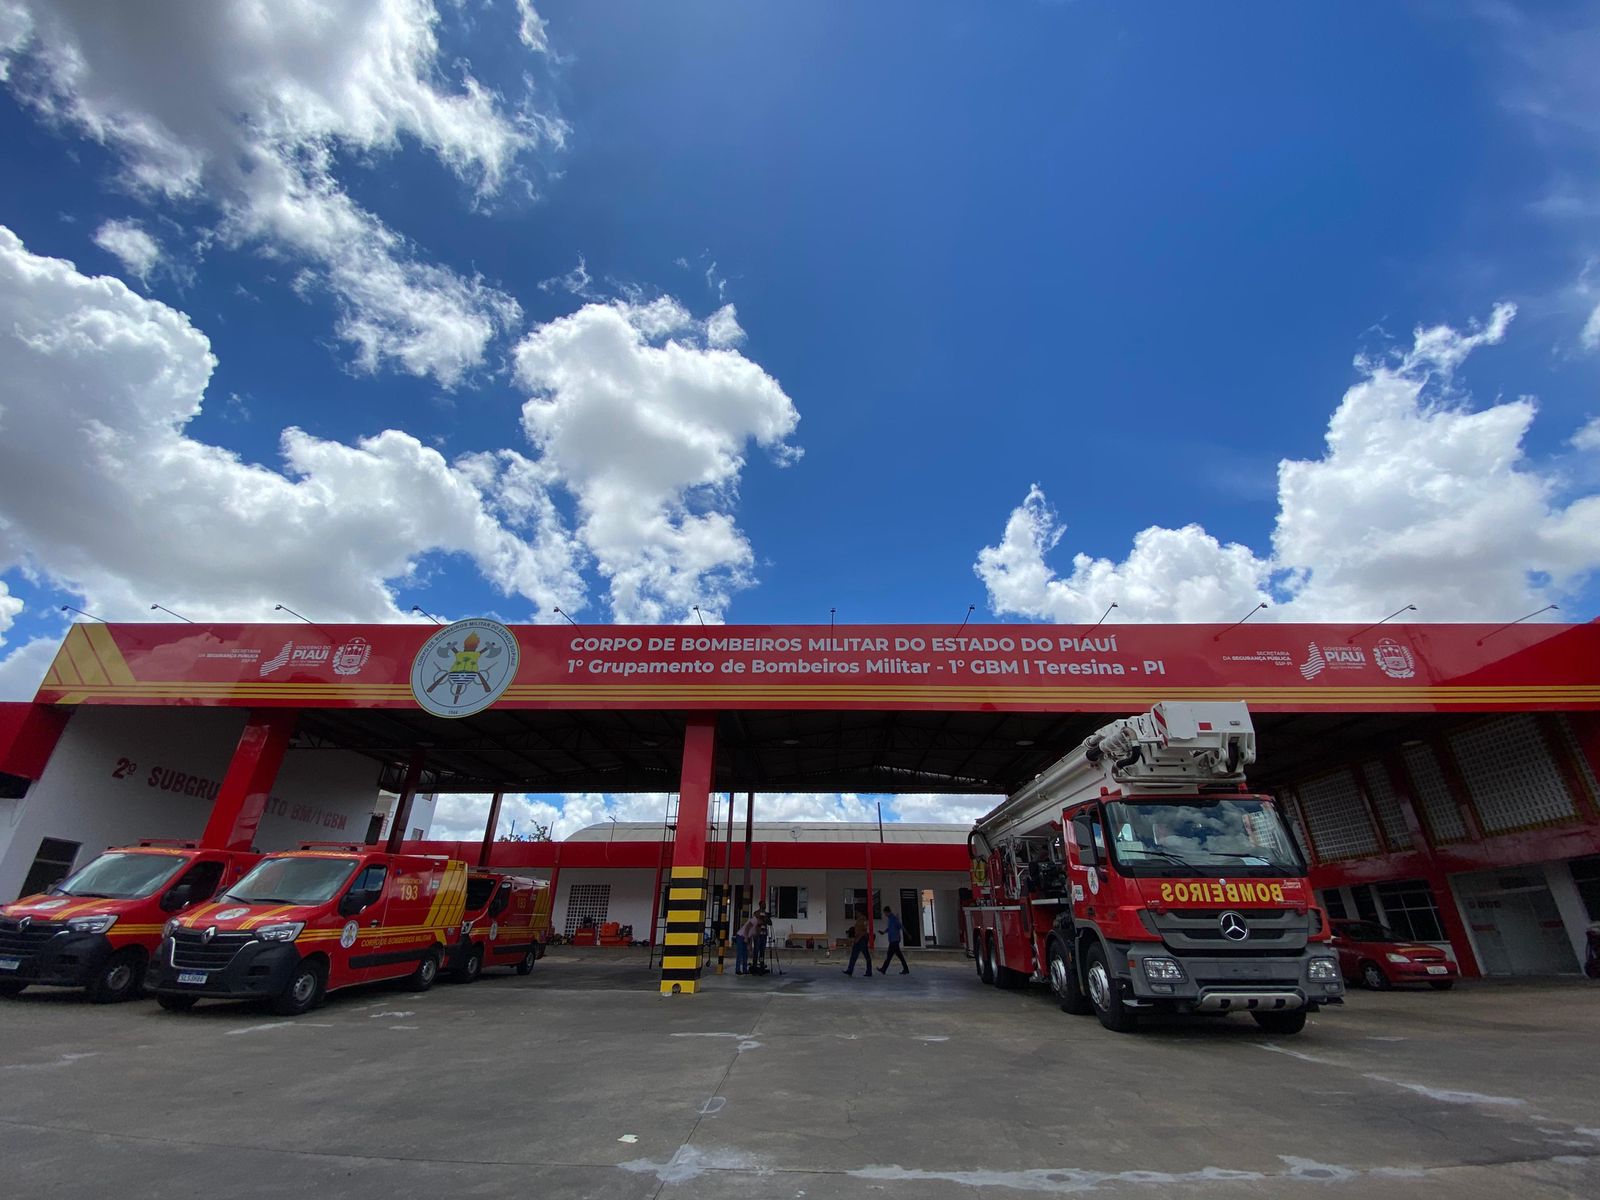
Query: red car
[[1380, 958]]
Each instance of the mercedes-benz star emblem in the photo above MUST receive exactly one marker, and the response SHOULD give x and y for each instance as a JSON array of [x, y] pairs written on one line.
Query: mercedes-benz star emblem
[[211, 932], [1233, 927]]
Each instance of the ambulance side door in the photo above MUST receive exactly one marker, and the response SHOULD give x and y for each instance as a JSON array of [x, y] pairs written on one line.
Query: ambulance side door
[[365, 905], [413, 887]]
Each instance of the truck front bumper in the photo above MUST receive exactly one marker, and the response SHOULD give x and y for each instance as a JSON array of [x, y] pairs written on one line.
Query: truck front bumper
[[65, 960], [1230, 984], [258, 970]]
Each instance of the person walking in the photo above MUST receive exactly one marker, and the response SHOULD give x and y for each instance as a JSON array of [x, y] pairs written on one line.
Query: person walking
[[741, 945], [758, 952], [894, 932], [858, 948]]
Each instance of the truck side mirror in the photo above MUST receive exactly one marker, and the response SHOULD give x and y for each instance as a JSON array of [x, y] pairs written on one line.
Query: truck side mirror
[[178, 898], [353, 902]]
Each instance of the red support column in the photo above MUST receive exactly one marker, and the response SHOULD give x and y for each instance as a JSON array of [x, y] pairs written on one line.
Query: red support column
[[684, 952], [489, 829], [236, 814], [402, 806]]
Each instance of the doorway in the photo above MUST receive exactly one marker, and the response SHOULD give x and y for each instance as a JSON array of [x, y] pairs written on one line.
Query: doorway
[[911, 916], [1516, 925]]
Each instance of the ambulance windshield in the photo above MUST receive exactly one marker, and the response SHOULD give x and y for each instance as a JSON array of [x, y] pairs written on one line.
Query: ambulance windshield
[[122, 876], [292, 881], [1226, 837]]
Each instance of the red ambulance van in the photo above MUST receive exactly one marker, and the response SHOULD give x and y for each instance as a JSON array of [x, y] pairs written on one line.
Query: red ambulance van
[[505, 924], [306, 922], [97, 928]]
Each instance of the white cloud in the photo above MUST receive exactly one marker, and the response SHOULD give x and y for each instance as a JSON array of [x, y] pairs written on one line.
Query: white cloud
[[10, 606], [531, 28], [1590, 336], [22, 671], [1418, 498], [1587, 438], [131, 245], [462, 816], [649, 436], [106, 380], [250, 104], [723, 327]]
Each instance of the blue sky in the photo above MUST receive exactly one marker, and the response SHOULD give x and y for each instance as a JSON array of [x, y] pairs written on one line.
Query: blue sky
[[773, 309]]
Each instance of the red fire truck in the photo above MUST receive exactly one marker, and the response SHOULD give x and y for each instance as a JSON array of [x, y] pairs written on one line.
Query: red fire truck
[[97, 928], [1139, 874], [306, 922], [505, 924]]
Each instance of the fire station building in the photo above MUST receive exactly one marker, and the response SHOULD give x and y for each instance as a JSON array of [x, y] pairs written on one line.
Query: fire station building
[[1440, 778]]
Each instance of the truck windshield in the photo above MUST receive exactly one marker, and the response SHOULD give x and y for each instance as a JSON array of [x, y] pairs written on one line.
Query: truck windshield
[[122, 876], [292, 881], [1243, 837]]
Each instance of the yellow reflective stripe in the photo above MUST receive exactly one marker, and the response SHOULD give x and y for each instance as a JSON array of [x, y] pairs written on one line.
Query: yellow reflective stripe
[[671, 961], [683, 939]]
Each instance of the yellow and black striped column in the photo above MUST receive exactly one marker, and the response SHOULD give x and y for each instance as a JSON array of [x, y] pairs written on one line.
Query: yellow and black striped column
[[684, 951]]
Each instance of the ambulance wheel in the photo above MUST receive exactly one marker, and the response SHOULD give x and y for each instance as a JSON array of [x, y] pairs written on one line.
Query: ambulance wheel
[[119, 979], [1103, 994], [177, 1003], [525, 966], [304, 991], [472, 968], [1064, 981], [986, 959], [1281, 1022], [427, 971], [1372, 975], [11, 987]]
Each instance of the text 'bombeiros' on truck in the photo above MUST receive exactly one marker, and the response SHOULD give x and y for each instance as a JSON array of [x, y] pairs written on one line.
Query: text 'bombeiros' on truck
[[98, 928], [1139, 874]]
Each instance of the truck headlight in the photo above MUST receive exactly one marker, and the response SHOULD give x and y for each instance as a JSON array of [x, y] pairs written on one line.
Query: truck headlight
[[1399, 958], [1323, 969], [170, 927], [1167, 970], [95, 924], [287, 932]]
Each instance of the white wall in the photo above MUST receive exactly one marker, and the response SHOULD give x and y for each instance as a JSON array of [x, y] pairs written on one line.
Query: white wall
[[121, 774], [630, 896]]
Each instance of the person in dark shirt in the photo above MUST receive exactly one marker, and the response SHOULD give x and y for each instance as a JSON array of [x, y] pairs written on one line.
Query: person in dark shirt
[[895, 932]]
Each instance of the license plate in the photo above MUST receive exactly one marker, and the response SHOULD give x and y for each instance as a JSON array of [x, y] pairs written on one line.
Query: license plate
[[192, 977], [1438, 970], [10, 964]]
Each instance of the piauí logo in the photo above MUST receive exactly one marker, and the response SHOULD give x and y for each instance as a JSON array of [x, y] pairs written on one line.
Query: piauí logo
[[1311, 668]]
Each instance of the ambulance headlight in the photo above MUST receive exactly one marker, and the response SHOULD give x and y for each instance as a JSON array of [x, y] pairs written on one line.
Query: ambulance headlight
[[1167, 970], [287, 932], [170, 928], [1323, 969], [1399, 958], [95, 924]]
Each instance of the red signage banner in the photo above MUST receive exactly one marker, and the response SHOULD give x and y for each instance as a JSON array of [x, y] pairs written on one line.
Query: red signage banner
[[473, 665]]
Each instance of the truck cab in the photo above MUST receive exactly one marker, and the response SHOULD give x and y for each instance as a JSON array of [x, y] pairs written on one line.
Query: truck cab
[[98, 928], [306, 922], [505, 924]]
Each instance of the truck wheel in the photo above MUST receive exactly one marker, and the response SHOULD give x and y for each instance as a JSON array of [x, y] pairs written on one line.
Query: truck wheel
[[978, 943], [472, 968], [120, 978], [1103, 994], [1281, 1022], [986, 959], [525, 967], [176, 1003], [1064, 981], [11, 987], [1372, 975], [1441, 985], [304, 992], [427, 971]]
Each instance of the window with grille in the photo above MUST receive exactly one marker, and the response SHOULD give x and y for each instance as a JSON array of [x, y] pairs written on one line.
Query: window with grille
[[1433, 793], [1387, 805], [1578, 758], [1409, 909], [587, 904], [1512, 778], [1338, 818]]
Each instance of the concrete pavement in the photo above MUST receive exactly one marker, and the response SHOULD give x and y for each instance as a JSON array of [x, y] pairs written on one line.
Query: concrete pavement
[[580, 1080]]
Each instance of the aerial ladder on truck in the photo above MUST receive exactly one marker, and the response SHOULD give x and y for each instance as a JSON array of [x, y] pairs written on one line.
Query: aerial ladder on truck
[[1138, 872]]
